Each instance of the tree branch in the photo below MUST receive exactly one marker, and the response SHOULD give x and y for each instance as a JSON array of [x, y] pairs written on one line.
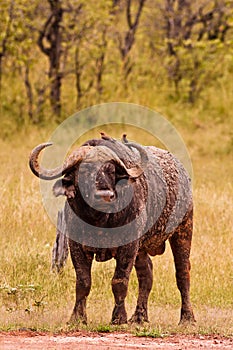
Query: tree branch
[[128, 14], [42, 34]]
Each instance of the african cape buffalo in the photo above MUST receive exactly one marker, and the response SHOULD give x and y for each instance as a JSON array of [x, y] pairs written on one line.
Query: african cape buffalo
[[124, 201]]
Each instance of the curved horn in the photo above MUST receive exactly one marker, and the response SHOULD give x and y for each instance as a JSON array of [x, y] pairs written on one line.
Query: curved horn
[[50, 174], [141, 150]]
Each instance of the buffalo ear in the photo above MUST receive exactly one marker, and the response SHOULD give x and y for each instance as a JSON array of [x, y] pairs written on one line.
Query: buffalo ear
[[63, 187], [121, 173], [122, 176], [125, 173]]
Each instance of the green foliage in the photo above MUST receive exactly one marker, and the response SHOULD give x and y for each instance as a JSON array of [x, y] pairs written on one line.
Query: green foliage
[[151, 333], [90, 63], [105, 329]]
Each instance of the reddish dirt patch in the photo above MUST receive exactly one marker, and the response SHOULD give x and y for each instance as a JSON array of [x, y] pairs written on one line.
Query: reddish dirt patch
[[103, 341]]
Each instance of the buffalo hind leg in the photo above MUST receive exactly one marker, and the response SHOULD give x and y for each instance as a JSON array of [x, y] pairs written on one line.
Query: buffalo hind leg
[[124, 263], [144, 268], [82, 264], [181, 244]]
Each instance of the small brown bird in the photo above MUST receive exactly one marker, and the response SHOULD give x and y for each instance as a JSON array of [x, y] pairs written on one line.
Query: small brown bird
[[124, 139], [106, 137]]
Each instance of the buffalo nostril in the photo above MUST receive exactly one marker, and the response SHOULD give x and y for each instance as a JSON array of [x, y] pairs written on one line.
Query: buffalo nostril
[[105, 195], [97, 196]]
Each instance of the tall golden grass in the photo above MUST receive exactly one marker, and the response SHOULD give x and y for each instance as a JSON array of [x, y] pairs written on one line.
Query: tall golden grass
[[34, 297]]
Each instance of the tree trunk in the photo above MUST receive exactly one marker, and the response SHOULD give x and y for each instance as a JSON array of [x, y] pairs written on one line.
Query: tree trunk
[[53, 34], [126, 43], [79, 68], [55, 90], [29, 92], [100, 63], [78, 78], [5, 39]]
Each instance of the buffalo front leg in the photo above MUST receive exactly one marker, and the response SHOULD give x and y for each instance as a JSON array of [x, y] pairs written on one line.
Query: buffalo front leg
[[82, 263], [124, 263], [181, 244], [144, 268]]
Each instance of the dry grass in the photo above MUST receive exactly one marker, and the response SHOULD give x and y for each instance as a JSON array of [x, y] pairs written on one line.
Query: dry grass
[[31, 296]]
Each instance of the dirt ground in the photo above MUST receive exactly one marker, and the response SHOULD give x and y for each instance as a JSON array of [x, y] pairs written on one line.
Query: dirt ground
[[107, 341]]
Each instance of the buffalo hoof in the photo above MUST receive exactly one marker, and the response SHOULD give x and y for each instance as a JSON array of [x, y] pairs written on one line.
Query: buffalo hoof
[[77, 320], [187, 318], [139, 318], [119, 315], [119, 321]]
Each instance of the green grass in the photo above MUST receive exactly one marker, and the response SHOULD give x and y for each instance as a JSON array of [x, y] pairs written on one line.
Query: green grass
[[32, 296], [149, 332]]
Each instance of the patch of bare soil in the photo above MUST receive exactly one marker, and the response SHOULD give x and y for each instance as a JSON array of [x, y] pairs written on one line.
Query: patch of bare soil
[[117, 341]]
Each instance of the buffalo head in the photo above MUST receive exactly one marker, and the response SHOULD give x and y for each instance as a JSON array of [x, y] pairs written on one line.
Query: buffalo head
[[92, 171]]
